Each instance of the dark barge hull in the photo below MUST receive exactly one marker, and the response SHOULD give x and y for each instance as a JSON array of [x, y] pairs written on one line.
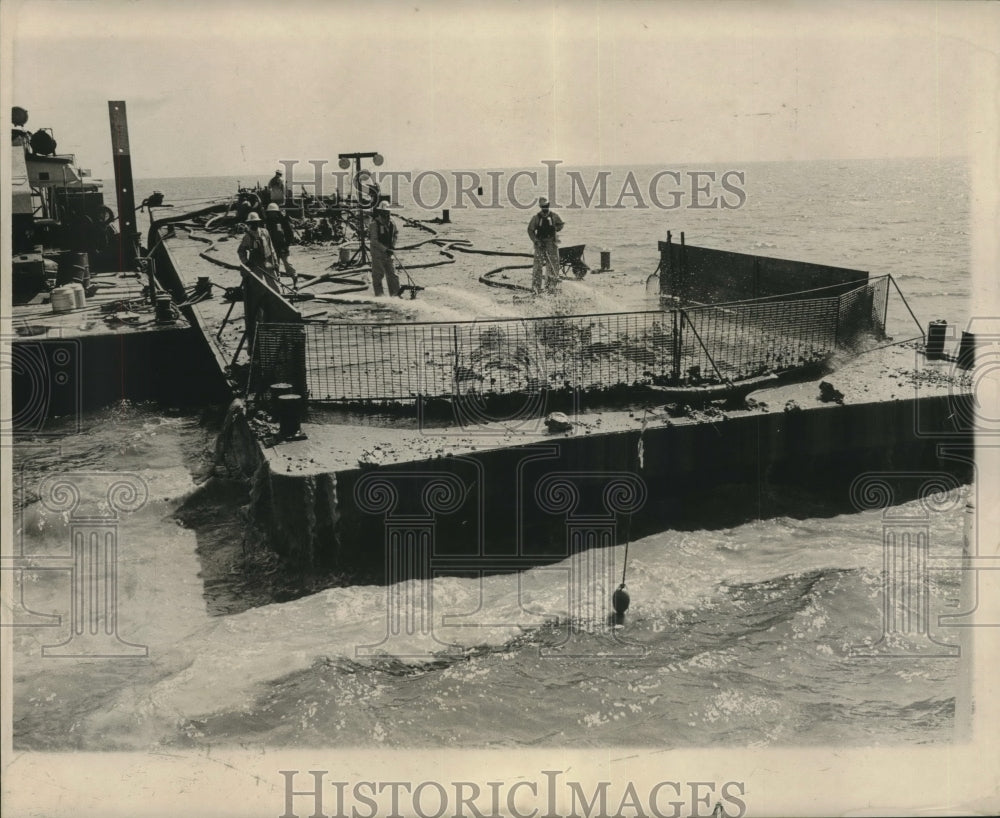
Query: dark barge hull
[[56, 377], [698, 475], [64, 364]]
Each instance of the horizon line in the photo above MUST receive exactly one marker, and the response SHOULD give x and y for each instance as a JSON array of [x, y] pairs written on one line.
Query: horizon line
[[568, 166]]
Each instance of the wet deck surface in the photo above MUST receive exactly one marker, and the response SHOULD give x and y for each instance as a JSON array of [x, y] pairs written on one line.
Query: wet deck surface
[[452, 291], [338, 440]]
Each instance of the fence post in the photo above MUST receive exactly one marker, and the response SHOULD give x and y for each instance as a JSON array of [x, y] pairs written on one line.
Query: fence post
[[454, 369], [297, 352], [686, 285], [676, 373], [836, 323], [667, 269], [885, 306]]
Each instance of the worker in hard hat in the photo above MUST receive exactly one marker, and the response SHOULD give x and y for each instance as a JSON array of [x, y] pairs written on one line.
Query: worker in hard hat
[[257, 253], [543, 230], [276, 189], [382, 234], [282, 235]]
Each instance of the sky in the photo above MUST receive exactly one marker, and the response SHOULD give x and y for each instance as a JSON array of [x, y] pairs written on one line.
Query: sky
[[228, 88]]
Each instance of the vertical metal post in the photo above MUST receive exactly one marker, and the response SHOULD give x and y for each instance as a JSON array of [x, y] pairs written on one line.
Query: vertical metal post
[[885, 308], [454, 336], [836, 324], [128, 237], [65, 210], [151, 273], [676, 368], [362, 237], [667, 267], [683, 270]]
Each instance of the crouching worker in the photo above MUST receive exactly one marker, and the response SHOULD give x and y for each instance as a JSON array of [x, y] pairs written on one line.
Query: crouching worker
[[382, 236]]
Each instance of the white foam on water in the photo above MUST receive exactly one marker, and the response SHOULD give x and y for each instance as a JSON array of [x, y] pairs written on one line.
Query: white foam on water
[[203, 664]]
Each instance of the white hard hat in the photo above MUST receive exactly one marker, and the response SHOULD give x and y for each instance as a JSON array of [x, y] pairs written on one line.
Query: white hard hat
[[253, 217], [382, 206], [273, 208]]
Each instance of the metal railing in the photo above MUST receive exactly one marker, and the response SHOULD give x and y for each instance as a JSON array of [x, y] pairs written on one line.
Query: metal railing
[[717, 343]]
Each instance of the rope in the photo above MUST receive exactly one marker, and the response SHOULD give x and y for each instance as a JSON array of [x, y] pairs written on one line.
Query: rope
[[857, 285], [907, 305], [704, 348], [627, 539], [640, 462]]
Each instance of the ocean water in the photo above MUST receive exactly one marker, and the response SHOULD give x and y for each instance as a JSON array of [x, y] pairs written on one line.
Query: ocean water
[[905, 217], [745, 635]]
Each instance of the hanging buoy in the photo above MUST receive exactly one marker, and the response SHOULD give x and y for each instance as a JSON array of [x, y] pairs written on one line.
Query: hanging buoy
[[620, 600]]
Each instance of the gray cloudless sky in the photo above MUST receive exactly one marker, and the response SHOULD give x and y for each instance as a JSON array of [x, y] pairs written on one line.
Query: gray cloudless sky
[[219, 88]]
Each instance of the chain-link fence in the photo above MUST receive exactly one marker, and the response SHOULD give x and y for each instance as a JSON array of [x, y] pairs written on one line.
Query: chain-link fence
[[718, 343]]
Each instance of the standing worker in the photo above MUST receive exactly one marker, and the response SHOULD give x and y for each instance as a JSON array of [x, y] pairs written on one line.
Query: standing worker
[[543, 229], [280, 230], [257, 253], [276, 189], [382, 234]]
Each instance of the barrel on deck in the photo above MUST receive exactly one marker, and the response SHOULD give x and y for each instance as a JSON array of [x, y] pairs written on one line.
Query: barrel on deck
[[967, 351], [277, 390], [936, 332], [289, 414], [73, 267], [62, 299]]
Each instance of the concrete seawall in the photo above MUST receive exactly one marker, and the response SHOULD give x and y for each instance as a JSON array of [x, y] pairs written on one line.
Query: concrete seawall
[[504, 508]]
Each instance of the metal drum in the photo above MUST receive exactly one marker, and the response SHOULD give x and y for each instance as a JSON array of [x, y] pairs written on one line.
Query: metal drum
[[63, 299], [936, 332]]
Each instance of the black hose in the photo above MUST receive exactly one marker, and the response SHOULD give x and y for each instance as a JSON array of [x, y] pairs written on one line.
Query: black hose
[[216, 208], [488, 281]]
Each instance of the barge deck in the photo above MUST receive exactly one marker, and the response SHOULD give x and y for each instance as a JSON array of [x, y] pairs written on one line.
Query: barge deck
[[111, 348], [490, 493]]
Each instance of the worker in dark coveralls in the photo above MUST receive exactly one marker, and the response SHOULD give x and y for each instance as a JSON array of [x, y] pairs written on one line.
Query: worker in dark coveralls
[[279, 228], [257, 253], [543, 230], [276, 189], [382, 236]]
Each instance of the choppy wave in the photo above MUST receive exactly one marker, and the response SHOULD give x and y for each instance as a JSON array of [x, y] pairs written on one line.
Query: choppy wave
[[746, 635]]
